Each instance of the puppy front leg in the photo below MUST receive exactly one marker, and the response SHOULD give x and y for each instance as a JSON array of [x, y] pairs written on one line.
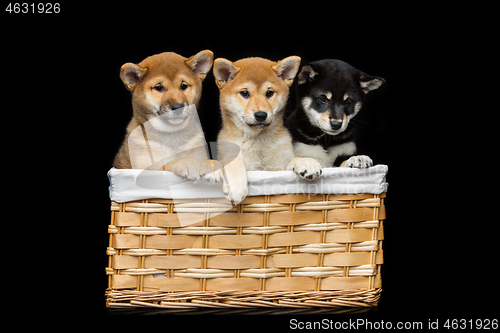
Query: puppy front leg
[[235, 186], [306, 167], [358, 161], [186, 167], [211, 171]]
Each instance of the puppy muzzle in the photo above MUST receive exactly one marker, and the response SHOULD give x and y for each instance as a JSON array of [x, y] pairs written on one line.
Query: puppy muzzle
[[260, 120], [175, 113]]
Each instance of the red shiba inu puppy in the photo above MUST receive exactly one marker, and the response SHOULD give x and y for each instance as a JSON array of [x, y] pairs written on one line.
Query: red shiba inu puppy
[[164, 132], [253, 95]]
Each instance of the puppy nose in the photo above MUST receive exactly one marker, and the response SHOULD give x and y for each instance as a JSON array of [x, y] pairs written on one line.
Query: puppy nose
[[335, 124], [260, 115], [177, 108]]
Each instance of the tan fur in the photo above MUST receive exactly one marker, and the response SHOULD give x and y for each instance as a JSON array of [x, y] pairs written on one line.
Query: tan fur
[[263, 145], [158, 83]]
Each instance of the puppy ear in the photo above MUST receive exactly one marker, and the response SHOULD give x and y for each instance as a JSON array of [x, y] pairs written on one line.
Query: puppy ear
[[131, 74], [306, 74], [224, 70], [287, 68], [201, 63], [369, 83]]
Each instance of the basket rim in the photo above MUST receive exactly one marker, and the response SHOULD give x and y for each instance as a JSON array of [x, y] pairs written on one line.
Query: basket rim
[[132, 184]]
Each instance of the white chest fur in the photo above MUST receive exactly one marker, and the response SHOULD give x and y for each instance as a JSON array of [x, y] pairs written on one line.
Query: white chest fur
[[325, 157], [147, 145], [260, 154]]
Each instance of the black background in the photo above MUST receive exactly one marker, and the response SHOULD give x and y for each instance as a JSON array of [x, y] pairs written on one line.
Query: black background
[[64, 101]]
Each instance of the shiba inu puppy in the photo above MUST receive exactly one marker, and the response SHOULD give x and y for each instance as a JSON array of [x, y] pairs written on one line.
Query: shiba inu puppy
[[253, 94], [164, 132], [329, 94]]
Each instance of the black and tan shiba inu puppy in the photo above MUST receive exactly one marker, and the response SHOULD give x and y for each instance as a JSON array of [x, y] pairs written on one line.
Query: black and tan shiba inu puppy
[[253, 94], [164, 132], [329, 94]]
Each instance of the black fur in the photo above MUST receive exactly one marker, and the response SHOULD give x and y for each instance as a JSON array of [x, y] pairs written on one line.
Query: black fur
[[339, 78]]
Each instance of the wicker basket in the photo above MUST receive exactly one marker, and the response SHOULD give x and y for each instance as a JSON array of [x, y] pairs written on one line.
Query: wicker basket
[[292, 250]]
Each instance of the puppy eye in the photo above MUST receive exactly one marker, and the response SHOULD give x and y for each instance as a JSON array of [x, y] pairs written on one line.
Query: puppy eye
[[269, 93], [323, 99], [348, 101], [184, 86], [159, 88], [244, 94]]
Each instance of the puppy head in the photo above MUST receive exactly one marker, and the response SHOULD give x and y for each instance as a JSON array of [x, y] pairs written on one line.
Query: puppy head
[[254, 91], [166, 85], [331, 92]]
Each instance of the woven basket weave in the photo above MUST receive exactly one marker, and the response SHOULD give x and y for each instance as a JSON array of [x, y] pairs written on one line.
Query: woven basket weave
[[270, 251]]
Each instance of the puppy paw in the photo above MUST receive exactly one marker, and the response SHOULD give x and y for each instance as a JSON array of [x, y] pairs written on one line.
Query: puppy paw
[[188, 168], [211, 171], [306, 167], [235, 194], [359, 161]]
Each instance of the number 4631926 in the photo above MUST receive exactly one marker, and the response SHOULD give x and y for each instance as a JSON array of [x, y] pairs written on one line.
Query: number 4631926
[[40, 8]]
